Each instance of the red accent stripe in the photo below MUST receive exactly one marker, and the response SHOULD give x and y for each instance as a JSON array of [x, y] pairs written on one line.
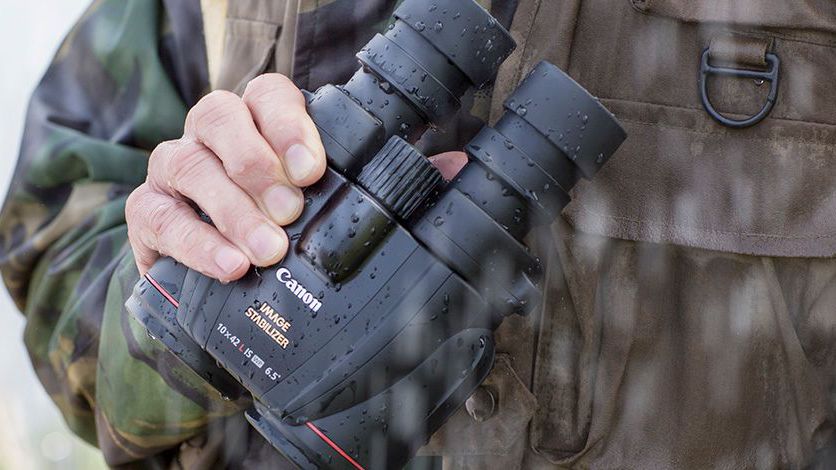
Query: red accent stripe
[[164, 292], [334, 446]]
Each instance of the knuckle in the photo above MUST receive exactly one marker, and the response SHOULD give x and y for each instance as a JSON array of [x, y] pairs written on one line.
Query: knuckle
[[189, 165], [240, 227], [249, 165], [270, 86], [166, 221], [132, 201], [161, 151], [286, 126], [136, 208], [193, 250], [213, 111]]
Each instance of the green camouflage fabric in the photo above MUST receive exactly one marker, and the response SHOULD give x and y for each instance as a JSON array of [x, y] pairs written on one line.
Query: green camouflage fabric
[[121, 83]]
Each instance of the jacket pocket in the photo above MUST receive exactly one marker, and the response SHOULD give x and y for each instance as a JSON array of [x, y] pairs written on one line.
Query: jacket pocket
[[815, 15], [248, 51], [684, 179]]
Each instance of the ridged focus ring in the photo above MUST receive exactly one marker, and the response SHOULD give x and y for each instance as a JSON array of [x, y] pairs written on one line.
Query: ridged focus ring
[[400, 178]]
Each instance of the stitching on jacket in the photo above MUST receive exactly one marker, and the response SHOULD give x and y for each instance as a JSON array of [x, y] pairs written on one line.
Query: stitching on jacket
[[622, 117]]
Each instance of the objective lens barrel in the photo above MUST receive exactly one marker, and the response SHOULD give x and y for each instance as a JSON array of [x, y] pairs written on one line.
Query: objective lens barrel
[[519, 175]]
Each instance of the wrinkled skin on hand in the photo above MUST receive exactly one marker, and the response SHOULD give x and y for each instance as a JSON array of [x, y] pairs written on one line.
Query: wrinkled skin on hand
[[243, 161]]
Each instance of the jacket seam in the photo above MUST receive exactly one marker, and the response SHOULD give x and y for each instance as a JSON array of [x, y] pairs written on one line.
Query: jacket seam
[[719, 131], [705, 230]]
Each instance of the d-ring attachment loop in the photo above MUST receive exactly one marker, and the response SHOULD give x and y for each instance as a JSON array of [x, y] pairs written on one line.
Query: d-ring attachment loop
[[770, 75]]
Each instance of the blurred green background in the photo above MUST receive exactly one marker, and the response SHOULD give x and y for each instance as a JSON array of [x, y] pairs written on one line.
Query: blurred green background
[[32, 433]]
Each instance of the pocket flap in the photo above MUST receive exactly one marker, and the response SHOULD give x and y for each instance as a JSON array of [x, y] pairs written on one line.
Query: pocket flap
[[819, 15]]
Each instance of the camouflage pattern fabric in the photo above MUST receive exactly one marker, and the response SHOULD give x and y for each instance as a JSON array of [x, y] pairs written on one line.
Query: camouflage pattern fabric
[[121, 83]]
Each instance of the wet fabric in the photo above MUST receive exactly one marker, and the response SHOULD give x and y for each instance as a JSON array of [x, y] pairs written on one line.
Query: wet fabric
[[677, 331], [660, 356]]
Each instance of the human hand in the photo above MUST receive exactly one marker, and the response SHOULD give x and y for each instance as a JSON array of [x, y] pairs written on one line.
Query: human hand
[[243, 161]]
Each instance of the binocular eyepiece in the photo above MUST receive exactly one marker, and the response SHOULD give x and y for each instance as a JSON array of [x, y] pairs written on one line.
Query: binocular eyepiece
[[519, 175], [411, 77], [378, 324]]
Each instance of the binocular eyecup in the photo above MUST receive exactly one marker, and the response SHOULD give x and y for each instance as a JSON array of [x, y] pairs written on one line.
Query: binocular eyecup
[[410, 78]]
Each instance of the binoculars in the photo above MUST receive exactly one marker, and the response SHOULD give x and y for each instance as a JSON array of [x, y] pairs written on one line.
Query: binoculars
[[378, 324]]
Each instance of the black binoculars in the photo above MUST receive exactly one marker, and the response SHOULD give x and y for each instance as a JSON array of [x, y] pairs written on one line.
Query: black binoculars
[[378, 324]]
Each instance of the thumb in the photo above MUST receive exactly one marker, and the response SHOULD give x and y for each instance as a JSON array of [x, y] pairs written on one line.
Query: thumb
[[449, 163]]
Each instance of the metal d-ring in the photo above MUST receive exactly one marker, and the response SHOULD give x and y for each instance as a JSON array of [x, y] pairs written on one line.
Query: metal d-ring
[[770, 75]]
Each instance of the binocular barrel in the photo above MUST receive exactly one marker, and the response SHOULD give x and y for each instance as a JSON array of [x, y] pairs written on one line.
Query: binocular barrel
[[414, 356], [411, 77], [519, 175], [377, 325]]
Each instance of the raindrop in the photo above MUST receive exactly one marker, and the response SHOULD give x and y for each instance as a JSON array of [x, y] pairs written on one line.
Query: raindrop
[[420, 26]]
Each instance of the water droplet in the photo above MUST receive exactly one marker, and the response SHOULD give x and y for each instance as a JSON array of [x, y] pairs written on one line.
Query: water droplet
[[420, 26], [438, 26], [438, 221]]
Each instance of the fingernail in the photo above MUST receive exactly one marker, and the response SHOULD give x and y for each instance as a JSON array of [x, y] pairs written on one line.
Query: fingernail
[[283, 203], [300, 162], [265, 243], [230, 260]]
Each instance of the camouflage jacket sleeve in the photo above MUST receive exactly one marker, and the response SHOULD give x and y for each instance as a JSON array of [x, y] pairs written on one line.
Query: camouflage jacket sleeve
[[120, 84]]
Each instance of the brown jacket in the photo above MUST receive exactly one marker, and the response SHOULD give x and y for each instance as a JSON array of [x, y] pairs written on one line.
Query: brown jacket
[[651, 350]]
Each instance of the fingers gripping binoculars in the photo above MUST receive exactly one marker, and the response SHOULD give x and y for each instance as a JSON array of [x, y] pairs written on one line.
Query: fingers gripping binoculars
[[378, 323]]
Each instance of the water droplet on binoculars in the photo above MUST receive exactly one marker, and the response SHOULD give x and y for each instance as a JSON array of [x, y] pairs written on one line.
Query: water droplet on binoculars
[[420, 26]]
